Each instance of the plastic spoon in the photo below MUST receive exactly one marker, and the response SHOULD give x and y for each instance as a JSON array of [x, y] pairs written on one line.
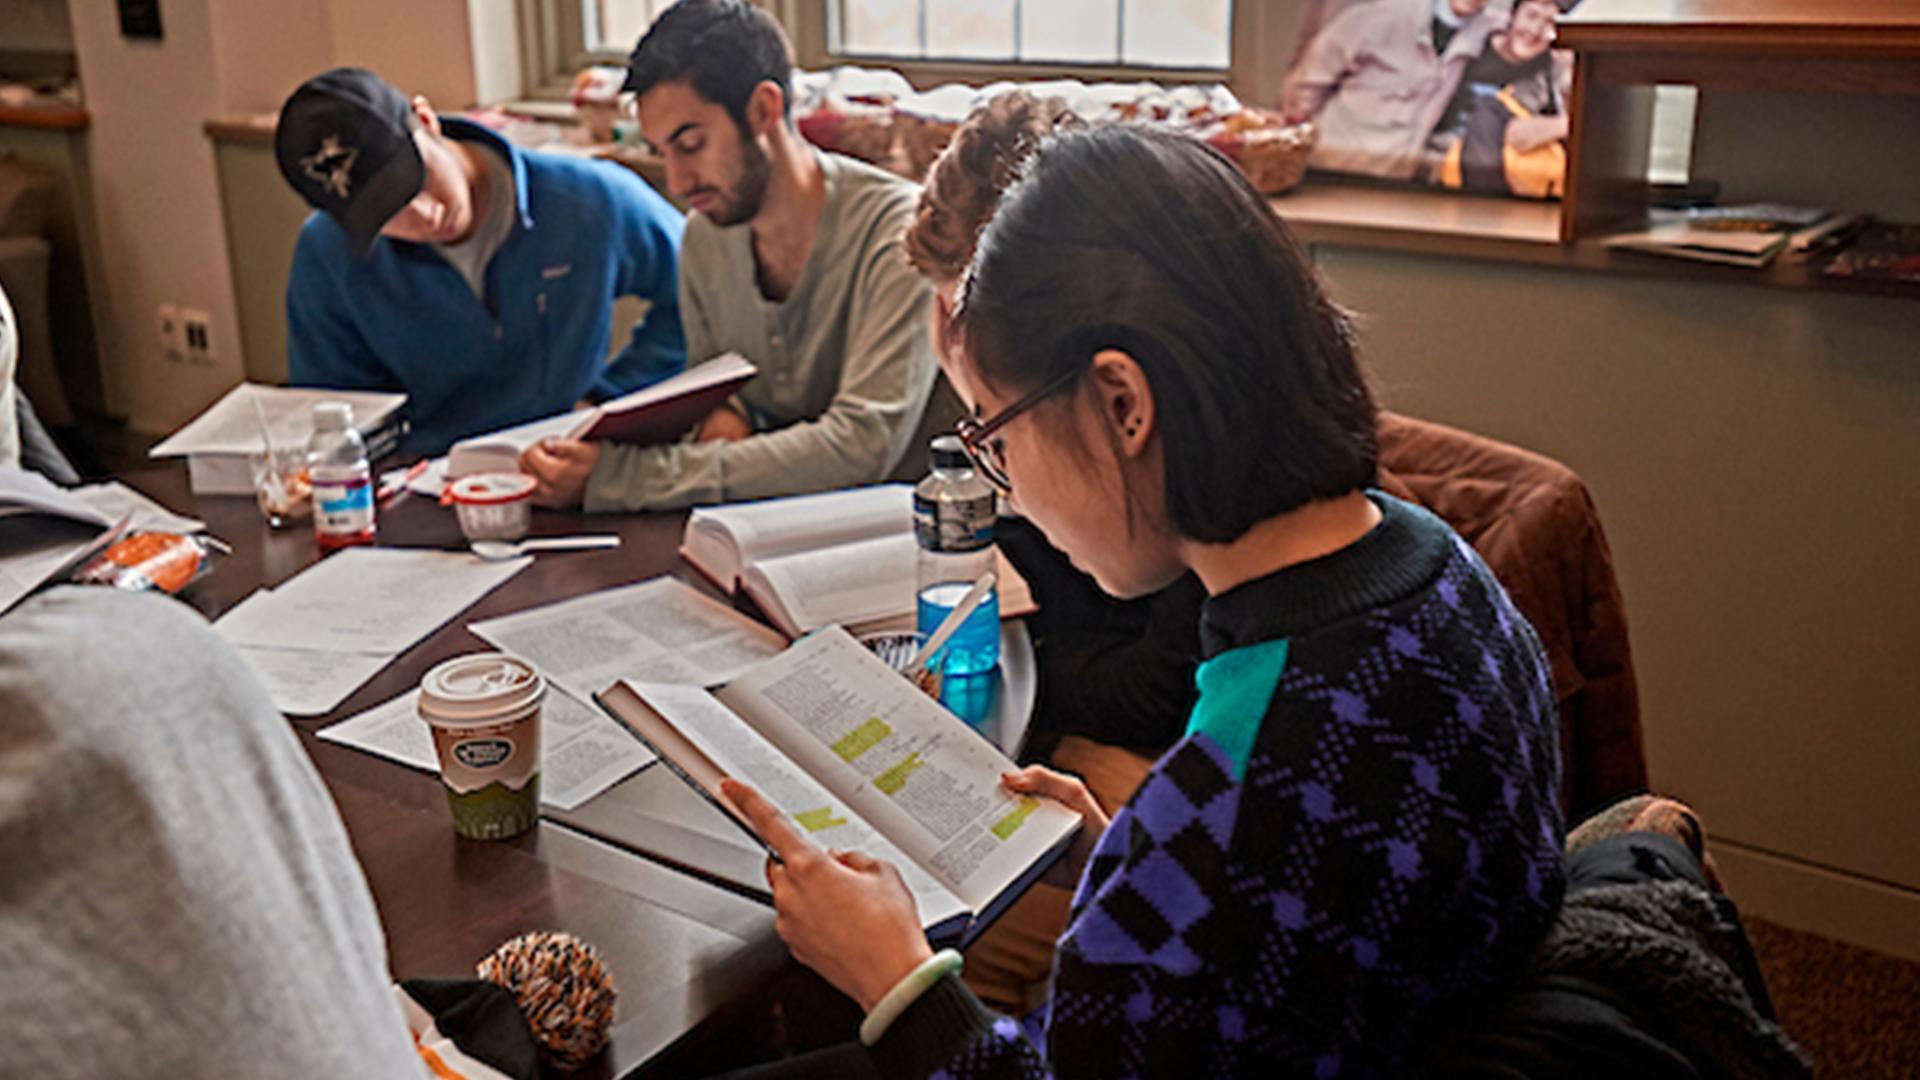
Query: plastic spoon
[[495, 550]]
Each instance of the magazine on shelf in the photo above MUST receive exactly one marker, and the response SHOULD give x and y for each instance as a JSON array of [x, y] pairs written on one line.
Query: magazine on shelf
[[1883, 251], [1741, 234], [660, 413], [842, 557], [859, 759]]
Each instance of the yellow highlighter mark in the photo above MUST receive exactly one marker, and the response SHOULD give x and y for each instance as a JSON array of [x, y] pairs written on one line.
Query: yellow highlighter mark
[[861, 739], [816, 820], [1010, 824], [895, 778]]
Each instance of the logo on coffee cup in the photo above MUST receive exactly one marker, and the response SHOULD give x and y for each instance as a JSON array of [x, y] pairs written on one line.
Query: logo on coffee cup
[[483, 753]]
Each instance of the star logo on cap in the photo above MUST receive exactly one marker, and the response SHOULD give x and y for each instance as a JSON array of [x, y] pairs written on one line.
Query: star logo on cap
[[332, 165]]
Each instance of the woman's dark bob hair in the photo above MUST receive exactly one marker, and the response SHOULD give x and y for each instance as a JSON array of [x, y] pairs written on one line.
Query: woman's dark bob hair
[[1154, 243]]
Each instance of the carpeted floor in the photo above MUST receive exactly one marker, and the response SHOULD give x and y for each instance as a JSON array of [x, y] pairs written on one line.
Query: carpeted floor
[[1856, 1012]]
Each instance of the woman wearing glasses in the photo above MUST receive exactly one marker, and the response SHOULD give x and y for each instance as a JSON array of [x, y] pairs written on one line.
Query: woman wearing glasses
[[1359, 822]]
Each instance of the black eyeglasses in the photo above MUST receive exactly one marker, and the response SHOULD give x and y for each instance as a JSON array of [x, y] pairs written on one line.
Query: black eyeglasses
[[987, 453]]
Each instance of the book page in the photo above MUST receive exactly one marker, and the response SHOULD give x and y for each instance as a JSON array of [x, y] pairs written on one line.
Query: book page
[[499, 451], [660, 630], [849, 584], [924, 779], [745, 755], [367, 599], [770, 527], [25, 492]]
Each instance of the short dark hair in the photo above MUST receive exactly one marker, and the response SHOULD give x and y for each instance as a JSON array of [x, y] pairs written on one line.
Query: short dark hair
[[1152, 242], [722, 48]]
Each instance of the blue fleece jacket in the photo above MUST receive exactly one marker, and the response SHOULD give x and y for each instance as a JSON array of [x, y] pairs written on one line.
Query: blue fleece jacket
[[584, 233]]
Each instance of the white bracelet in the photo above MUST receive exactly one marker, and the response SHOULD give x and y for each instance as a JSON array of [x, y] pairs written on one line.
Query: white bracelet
[[906, 992]]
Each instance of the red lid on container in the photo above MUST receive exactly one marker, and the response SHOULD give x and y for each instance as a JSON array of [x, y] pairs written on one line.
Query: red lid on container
[[489, 489]]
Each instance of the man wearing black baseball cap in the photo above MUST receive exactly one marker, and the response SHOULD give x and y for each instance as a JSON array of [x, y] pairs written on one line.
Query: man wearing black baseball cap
[[477, 278]]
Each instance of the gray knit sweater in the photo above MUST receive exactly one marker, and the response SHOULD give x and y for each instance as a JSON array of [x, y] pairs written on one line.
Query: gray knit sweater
[[177, 897]]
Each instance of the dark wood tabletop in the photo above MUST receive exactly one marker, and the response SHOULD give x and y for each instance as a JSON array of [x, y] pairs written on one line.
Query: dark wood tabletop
[[689, 957]]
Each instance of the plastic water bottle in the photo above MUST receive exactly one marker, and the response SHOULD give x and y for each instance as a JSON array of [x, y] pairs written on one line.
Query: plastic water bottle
[[341, 477], [953, 514]]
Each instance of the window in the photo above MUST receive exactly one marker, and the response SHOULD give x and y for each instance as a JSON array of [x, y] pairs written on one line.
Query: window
[[559, 37], [1194, 34], [934, 41], [613, 27]]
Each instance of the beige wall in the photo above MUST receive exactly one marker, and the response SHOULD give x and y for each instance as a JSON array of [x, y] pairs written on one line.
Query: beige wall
[[1752, 452], [155, 182], [157, 208]]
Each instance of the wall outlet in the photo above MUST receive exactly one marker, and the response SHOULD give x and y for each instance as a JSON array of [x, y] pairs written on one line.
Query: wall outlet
[[196, 332], [173, 339]]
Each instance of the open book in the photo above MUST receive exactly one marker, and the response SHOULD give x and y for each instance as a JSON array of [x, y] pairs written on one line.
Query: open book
[[841, 557], [45, 532], [860, 760], [660, 413]]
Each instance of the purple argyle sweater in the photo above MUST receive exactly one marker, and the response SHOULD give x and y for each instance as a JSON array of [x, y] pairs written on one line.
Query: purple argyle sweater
[[1359, 824]]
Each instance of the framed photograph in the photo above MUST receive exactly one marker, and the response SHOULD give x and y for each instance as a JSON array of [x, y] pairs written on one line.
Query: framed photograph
[[1462, 94]]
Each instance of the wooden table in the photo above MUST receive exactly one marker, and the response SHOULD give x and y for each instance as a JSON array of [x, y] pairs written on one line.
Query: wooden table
[[689, 957]]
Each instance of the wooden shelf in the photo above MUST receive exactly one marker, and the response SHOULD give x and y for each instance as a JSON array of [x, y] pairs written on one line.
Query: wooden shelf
[[1748, 28], [58, 118], [1359, 213], [252, 128]]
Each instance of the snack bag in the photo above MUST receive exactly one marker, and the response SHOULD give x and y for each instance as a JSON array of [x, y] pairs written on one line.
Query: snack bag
[[165, 561]]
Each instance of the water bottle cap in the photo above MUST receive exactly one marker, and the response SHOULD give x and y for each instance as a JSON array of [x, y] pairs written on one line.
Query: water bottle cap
[[948, 453], [332, 416]]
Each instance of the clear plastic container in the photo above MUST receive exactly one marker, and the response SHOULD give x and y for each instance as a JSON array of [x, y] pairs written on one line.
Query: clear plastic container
[[493, 506]]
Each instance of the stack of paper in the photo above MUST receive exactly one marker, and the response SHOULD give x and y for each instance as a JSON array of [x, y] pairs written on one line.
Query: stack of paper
[[216, 443], [318, 637]]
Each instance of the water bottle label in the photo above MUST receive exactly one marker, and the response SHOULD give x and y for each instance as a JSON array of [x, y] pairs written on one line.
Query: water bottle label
[[343, 507], [958, 525]]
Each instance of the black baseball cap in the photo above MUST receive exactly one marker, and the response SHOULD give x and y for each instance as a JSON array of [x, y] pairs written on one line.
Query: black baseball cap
[[345, 143]]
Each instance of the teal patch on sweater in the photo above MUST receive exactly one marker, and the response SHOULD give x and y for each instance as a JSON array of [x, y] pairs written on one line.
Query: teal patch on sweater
[[1235, 688]]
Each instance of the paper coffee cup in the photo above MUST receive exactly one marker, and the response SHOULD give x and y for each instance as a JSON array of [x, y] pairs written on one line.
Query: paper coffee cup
[[484, 712]]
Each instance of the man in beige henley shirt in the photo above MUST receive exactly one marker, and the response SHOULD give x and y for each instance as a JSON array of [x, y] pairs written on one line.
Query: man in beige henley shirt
[[793, 259]]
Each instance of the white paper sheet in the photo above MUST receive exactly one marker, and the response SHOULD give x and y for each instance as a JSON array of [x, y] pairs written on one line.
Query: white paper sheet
[[230, 425], [115, 500], [366, 600], [582, 751], [661, 630], [308, 682]]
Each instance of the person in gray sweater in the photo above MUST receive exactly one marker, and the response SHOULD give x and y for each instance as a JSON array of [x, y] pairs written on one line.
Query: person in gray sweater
[[177, 896], [793, 259]]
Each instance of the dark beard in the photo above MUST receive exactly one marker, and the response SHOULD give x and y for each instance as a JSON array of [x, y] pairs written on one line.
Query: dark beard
[[744, 201]]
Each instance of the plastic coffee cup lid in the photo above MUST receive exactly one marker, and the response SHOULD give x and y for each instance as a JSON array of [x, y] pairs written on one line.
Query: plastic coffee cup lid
[[483, 489], [480, 688]]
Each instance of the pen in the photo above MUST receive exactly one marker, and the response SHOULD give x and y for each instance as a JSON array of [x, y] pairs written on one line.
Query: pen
[[399, 487]]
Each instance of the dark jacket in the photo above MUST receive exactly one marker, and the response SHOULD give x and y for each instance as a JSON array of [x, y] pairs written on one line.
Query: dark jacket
[[1534, 522]]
